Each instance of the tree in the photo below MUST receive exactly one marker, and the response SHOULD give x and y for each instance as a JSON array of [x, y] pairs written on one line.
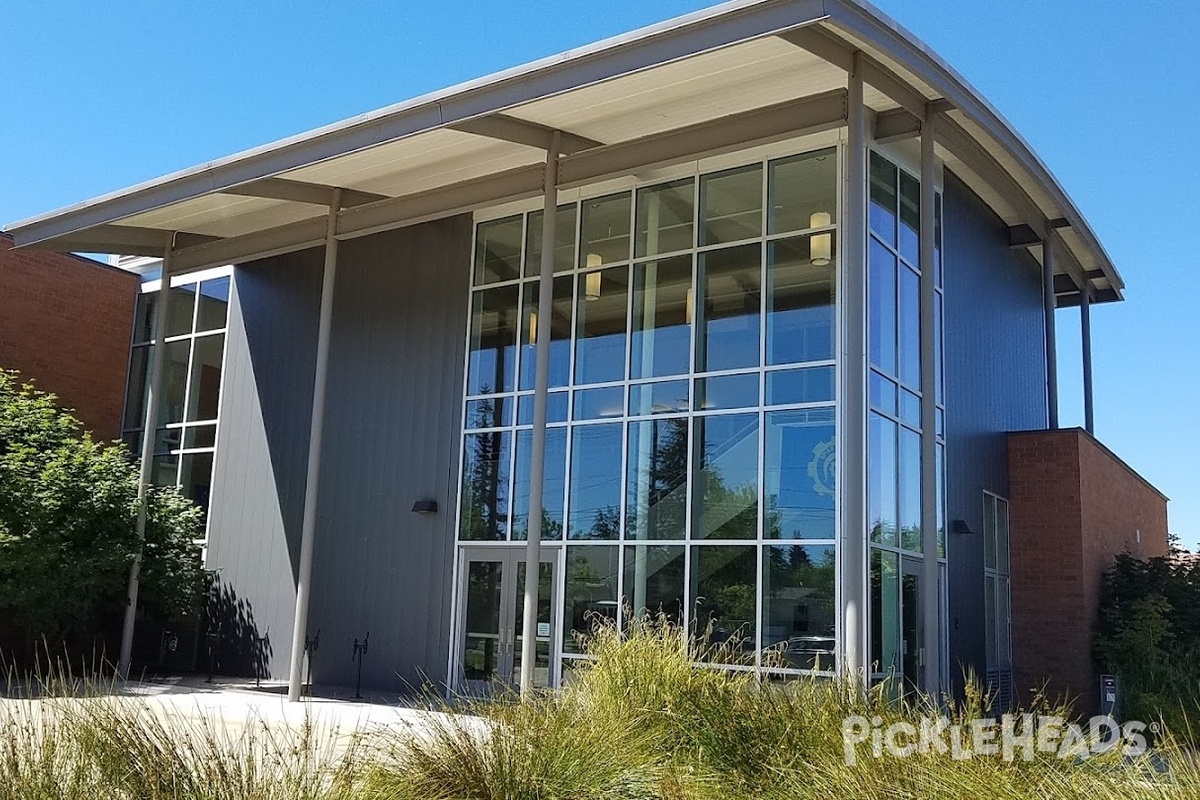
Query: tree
[[68, 515]]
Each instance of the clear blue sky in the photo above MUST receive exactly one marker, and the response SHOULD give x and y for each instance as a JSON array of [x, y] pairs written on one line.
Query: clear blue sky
[[98, 96]]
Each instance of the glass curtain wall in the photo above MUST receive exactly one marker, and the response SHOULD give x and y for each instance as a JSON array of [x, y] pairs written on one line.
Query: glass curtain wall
[[894, 428], [690, 454], [186, 430]]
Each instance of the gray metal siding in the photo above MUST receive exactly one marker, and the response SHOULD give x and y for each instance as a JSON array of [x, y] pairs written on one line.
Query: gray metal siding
[[391, 437], [259, 470], [995, 382]]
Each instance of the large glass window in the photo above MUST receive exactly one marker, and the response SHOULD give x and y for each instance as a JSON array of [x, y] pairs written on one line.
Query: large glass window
[[800, 492], [895, 423], [185, 436], [662, 318], [799, 611], [730, 289], [997, 606], [692, 435]]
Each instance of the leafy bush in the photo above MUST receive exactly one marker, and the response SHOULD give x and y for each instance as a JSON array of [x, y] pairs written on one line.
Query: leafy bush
[[68, 513], [1149, 635]]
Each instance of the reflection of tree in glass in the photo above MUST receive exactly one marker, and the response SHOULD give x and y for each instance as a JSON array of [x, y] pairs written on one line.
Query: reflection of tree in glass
[[723, 512], [665, 482], [483, 518], [590, 591]]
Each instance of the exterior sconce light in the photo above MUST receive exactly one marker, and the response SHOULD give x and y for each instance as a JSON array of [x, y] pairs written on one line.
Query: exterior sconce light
[[821, 244], [425, 507], [960, 526], [591, 287]]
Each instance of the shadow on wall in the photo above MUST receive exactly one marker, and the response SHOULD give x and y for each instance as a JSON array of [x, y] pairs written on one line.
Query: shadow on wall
[[232, 644]]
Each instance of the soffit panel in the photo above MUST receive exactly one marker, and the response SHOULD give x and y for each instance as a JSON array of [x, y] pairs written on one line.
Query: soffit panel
[[694, 90], [419, 162], [223, 215]]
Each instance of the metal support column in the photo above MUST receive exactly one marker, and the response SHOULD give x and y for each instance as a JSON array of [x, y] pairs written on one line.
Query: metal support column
[[316, 425], [930, 598], [541, 389], [1085, 326], [1048, 305], [154, 377], [852, 395]]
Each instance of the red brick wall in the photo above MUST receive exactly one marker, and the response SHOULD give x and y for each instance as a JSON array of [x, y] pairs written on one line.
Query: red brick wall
[[65, 322], [1073, 507]]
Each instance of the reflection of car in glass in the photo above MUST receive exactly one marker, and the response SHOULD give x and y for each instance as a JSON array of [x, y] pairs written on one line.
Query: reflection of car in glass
[[586, 613], [810, 652]]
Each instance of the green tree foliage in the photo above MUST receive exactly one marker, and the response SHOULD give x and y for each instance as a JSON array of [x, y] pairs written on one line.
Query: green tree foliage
[[1149, 635], [68, 513]]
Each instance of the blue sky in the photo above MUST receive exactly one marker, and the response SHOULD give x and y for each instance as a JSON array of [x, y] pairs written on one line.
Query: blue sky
[[98, 96]]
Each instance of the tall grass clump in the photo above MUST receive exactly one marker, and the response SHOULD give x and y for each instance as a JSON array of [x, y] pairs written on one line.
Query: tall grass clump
[[71, 738], [647, 718]]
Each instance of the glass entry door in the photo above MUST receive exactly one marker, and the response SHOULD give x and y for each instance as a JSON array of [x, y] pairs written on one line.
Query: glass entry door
[[912, 627], [492, 601]]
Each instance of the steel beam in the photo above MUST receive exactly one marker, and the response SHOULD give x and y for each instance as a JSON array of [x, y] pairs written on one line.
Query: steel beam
[[308, 532], [852, 392], [248, 247], [896, 125], [127, 240], [541, 394], [516, 184], [930, 597], [772, 123], [831, 48], [1048, 306], [301, 192], [1085, 328], [154, 381], [520, 131]]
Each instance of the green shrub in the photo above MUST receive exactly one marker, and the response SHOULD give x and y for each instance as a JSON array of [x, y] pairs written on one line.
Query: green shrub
[[68, 513], [1149, 635]]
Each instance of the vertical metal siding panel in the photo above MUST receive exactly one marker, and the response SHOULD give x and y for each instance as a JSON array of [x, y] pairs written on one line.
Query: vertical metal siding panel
[[395, 372], [995, 383], [265, 409]]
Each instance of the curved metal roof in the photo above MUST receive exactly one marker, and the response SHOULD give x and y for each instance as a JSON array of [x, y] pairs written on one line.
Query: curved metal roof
[[739, 73]]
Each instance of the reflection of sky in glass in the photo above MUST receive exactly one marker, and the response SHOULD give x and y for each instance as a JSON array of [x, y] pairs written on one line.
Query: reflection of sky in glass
[[727, 481], [595, 482], [800, 468], [553, 485]]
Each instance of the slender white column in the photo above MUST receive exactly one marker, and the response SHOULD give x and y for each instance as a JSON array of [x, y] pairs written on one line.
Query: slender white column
[[316, 426], [852, 394], [645, 445], [930, 605], [1048, 304], [541, 390], [154, 378], [1085, 327]]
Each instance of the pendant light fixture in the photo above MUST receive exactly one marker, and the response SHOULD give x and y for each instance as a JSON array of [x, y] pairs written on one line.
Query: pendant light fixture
[[821, 244]]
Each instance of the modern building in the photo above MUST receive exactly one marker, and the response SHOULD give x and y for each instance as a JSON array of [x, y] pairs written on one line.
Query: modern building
[[743, 306]]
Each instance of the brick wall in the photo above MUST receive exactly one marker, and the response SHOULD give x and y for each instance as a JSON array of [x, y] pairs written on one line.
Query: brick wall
[[1073, 507], [65, 322]]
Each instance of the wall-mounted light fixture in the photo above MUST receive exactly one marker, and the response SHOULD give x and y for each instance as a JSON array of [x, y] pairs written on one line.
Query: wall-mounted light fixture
[[960, 526], [533, 327], [821, 244], [425, 507], [689, 304]]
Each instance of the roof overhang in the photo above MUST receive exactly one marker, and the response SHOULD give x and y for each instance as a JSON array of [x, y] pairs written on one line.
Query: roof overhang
[[738, 74]]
